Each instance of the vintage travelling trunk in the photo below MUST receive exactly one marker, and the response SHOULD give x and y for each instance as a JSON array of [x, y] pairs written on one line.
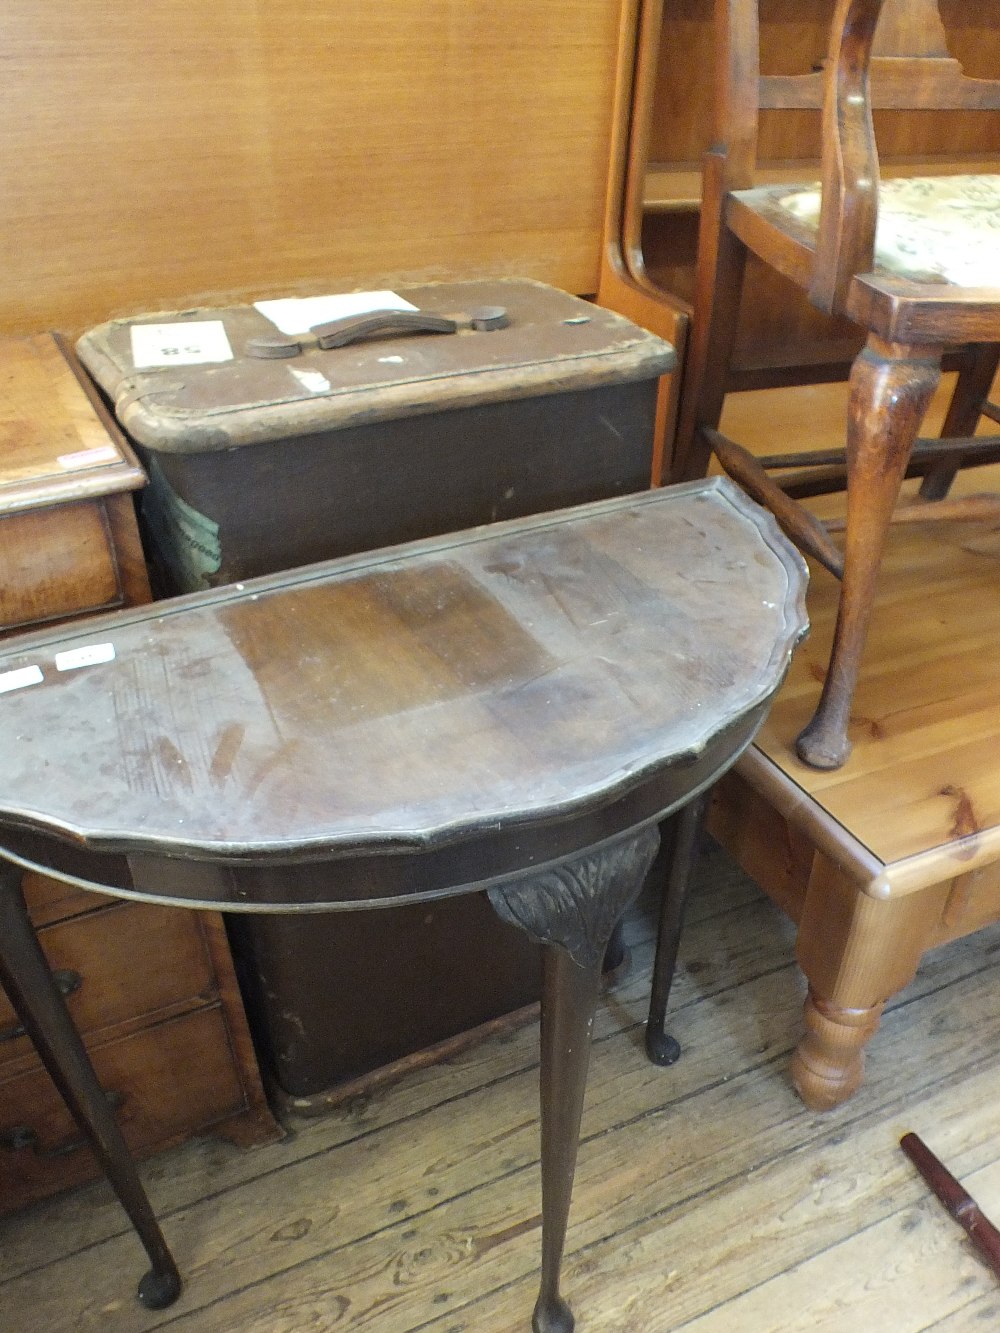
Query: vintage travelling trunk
[[284, 432], [279, 434]]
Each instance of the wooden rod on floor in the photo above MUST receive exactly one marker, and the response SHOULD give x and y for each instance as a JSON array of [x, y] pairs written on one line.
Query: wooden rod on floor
[[959, 1204]]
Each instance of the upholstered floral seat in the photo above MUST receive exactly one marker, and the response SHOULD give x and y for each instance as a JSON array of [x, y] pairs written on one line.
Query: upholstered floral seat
[[930, 227]]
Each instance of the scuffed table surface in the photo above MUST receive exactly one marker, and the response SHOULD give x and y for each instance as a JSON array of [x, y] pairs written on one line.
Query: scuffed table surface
[[407, 697], [512, 708]]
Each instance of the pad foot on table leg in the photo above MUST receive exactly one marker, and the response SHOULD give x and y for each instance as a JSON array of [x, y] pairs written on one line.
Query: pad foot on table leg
[[661, 1047], [552, 1315], [158, 1290]]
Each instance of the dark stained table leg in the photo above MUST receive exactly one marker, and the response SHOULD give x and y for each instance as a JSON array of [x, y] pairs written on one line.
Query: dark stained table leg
[[571, 909], [26, 978], [617, 958], [661, 1048]]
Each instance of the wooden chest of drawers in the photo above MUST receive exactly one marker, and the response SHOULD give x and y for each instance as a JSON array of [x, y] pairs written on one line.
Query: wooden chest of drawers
[[68, 538], [152, 990]]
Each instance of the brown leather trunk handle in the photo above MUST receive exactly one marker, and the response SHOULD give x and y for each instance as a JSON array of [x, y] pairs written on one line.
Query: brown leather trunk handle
[[340, 332]]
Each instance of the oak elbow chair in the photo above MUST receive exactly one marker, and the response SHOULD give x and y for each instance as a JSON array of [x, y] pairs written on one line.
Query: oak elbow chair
[[914, 263]]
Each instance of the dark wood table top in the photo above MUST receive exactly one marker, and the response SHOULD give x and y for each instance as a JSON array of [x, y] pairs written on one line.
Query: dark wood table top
[[476, 688]]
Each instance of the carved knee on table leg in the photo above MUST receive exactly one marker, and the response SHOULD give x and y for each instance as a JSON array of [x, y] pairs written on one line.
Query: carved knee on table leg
[[828, 1065]]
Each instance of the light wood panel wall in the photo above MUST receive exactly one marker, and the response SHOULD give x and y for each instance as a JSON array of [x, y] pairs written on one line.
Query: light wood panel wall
[[793, 40], [156, 152]]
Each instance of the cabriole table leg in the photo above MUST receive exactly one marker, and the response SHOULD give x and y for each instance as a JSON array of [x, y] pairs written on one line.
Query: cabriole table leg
[[25, 976], [572, 910], [661, 1048]]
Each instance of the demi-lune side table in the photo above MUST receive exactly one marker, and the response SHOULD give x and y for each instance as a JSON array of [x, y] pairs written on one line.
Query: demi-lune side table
[[511, 709]]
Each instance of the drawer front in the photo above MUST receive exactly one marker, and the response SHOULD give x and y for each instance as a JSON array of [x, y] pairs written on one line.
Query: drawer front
[[170, 1080], [56, 562], [51, 899], [123, 962]]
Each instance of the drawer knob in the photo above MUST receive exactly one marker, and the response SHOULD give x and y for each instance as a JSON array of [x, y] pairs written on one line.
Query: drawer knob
[[19, 1137], [66, 981]]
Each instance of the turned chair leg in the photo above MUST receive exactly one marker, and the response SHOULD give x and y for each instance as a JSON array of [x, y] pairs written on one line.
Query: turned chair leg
[[972, 389], [661, 1048], [891, 386], [40, 1006]]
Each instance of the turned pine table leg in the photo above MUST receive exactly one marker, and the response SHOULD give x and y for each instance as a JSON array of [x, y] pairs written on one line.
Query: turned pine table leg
[[828, 1065], [572, 910], [857, 948], [661, 1048], [25, 976]]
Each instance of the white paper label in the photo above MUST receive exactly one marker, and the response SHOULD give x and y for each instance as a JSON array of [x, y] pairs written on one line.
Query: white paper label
[[16, 680], [180, 344], [81, 657], [104, 453], [311, 380], [298, 315]]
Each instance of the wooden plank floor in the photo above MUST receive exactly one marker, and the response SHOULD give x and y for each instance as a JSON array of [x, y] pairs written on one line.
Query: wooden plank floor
[[707, 1197]]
